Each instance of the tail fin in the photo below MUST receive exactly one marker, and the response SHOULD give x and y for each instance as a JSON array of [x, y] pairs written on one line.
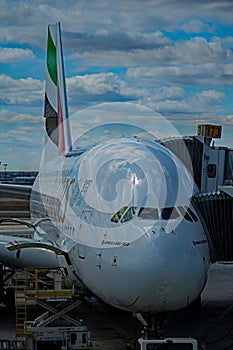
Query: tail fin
[[55, 107]]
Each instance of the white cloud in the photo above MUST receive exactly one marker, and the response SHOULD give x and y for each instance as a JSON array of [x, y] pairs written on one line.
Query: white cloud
[[95, 83], [12, 55], [103, 15], [196, 25], [171, 55], [12, 117], [26, 91], [228, 120], [172, 92], [211, 97]]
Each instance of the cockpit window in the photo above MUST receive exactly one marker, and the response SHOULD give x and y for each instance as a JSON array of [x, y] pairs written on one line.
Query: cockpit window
[[116, 217], [191, 213], [129, 214], [148, 213], [170, 213], [185, 214]]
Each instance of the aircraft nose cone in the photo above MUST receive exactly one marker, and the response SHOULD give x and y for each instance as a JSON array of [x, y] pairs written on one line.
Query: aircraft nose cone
[[175, 275]]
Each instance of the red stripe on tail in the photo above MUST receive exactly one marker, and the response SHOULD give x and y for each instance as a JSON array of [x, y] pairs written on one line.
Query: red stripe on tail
[[60, 125]]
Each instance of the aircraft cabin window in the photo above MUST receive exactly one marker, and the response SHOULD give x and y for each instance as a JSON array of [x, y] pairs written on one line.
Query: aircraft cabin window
[[116, 217], [170, 213], [148, 214], [185, 214], [129, 214], [211, 170]]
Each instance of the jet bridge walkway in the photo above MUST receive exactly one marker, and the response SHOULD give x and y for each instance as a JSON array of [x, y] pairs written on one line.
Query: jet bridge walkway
[[212, 169], [216, 209]]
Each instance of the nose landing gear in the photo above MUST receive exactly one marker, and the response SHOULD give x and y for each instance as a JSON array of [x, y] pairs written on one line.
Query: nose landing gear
[[152, 324]]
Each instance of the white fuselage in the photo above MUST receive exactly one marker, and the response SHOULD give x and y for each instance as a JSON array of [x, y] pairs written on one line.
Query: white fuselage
[[121, 211]]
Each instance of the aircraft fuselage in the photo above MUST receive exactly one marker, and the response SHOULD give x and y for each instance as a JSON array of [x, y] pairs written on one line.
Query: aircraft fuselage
[[123, 213]]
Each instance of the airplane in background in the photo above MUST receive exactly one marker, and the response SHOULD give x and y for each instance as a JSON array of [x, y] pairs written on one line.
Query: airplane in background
[[116, 215]]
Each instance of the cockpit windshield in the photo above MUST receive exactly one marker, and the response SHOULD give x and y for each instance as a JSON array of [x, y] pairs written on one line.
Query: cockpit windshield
[[129, 214], [170, 213], [148, 213], [116, 217]]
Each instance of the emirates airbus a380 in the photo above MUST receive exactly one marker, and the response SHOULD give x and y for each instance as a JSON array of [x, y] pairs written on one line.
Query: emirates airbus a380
[[117, 215]]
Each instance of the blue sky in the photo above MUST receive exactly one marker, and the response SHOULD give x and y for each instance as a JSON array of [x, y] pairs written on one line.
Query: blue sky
[[173, 56]]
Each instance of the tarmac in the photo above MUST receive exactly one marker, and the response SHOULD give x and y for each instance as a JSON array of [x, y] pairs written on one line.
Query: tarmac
[[113, 329]]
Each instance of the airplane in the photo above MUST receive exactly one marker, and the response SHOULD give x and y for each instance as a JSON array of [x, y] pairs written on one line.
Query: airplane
[[117, 215]]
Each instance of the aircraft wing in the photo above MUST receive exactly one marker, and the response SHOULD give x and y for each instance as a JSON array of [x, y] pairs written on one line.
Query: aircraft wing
[[19, 190]]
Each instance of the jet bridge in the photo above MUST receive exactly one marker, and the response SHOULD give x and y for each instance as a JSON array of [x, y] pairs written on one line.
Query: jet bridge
[[216, 209], [212, 168]]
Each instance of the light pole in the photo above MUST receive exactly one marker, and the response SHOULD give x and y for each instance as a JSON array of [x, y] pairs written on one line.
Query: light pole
[[5, 166]]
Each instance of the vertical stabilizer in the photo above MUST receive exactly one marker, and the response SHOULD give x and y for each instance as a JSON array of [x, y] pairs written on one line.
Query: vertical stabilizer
[[55, 107]]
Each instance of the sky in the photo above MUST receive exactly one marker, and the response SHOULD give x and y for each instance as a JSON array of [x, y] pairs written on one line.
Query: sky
[[172, 56]]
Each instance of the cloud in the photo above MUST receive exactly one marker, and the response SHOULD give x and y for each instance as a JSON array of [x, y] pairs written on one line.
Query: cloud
[[25, 134], [186, 75], [12, 55], [188, 62], [211, 97], [172, 92], [12, 117], [107, 40], [170, 100], [206, 102], [92, 22], [174, 56], [91, 89], [196, 25], [95, 83], [26, 91], [228, 120]]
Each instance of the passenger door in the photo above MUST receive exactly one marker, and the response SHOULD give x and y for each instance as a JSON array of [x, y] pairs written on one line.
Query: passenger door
[[82, 232]]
